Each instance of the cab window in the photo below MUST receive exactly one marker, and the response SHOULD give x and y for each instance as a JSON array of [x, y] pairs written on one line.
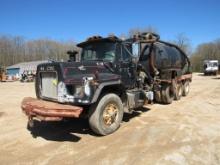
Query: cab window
[[126, 52]]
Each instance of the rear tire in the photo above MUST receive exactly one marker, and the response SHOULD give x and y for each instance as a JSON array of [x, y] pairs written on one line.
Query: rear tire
[[157, 96], [167, 94], [179, 91], [186, 88], [106, 115]]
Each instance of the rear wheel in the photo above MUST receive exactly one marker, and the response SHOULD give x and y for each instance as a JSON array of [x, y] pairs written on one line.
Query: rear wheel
[[167, 94], [186, 88], [107, 115], [179, 91], [157, 96]]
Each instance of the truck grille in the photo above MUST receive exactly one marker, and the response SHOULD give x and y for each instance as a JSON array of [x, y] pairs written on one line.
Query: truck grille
[[49, 84]]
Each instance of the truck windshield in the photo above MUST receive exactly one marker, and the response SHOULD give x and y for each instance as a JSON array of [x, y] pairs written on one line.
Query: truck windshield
[[104, 51], [215, 64], [211, 64]]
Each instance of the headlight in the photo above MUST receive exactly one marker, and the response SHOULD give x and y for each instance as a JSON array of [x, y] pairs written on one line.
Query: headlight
[[87, 85]]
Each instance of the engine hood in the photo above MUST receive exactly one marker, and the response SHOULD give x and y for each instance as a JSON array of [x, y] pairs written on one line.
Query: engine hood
[[74, 72]]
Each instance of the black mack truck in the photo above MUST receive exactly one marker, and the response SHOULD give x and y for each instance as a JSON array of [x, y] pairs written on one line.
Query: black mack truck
[[113, 76]]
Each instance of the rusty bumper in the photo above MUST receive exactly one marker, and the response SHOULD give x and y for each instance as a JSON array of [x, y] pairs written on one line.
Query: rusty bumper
[[49, 111]]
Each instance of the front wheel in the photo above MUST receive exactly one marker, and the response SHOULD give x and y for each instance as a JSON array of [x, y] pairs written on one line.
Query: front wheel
[[107, 115]]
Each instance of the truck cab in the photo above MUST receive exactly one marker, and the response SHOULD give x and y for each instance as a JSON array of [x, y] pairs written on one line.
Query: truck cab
[[210, 67]]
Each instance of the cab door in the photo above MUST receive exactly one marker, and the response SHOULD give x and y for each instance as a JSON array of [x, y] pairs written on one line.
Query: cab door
[[125, 66]]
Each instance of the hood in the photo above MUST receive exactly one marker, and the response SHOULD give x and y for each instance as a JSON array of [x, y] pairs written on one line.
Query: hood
[[74, 72]]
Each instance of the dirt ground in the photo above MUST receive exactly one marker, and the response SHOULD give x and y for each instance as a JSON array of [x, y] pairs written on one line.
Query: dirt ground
[[185, 132]]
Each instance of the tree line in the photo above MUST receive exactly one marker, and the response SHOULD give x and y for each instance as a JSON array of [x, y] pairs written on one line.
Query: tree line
[[16, 49], [205, 51]]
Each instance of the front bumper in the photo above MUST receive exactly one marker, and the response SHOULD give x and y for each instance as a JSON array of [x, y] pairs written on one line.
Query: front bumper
[[48, 111]]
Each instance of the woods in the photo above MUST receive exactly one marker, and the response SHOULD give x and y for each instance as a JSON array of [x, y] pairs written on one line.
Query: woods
[[205, 51], [15, 49]]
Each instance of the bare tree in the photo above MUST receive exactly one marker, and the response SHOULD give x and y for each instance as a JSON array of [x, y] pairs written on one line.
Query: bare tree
[[183, 42], [205, 51], [134, 31], [15, 49]]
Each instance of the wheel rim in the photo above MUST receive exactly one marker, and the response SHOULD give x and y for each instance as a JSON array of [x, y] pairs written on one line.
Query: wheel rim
[[110, 114]]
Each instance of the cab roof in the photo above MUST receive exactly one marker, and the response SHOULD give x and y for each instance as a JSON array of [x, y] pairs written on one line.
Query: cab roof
[[99, 39]]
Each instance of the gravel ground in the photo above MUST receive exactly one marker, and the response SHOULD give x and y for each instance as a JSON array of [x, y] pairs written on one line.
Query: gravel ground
[[184, 132]]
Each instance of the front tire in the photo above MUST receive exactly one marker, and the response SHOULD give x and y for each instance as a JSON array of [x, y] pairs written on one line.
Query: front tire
[[106, 115]]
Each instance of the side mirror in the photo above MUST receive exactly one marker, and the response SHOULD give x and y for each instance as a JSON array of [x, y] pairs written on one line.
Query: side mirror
[[135, 49]]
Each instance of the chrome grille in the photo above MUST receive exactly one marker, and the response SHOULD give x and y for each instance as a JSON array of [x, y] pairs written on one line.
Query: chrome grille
[[49, 84]]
